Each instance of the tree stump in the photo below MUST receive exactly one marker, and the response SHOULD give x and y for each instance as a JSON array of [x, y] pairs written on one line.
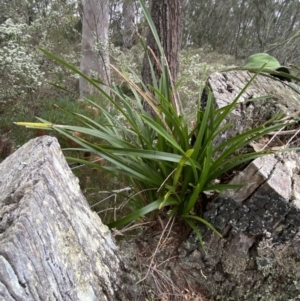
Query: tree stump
[[52, 246]]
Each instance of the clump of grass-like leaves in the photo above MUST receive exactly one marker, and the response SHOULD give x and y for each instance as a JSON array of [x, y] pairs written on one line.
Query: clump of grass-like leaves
[[155, 155]]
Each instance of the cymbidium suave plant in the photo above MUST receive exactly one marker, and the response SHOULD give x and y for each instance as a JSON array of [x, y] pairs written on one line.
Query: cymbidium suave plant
[[155, 155]]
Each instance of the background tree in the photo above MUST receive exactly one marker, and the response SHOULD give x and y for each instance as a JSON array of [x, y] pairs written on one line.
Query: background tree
[[115, 22], [95, 58], [128, 23], [122, 15], [167, 18]]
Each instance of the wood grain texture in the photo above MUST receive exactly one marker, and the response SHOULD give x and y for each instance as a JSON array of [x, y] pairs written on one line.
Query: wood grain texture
[[253, 108], [52, 246]]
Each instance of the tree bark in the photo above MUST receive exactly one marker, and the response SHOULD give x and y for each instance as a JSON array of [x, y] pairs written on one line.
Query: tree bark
[[52, 246], [167, 18], [95, 57], [128, 24]]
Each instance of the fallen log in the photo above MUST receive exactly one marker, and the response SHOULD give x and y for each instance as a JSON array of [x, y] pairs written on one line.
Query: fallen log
[[258, 257], [52, 246]]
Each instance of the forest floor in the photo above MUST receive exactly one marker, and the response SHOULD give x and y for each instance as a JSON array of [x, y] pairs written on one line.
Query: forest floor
[[155, 250]]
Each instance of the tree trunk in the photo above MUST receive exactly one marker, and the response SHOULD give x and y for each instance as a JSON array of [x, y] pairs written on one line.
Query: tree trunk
[[167, 18], [95, 58], [128, 24], [52, 246]]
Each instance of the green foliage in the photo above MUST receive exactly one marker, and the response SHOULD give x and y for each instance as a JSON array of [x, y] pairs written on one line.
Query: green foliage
[[155, 155], [56, 110], [23, 70]]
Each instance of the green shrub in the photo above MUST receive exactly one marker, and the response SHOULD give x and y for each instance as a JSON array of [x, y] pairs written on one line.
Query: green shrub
[[19, 71]]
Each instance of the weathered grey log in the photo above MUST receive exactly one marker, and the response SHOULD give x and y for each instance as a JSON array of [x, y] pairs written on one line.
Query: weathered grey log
[[259, 255], [52, 246], [251, 112]]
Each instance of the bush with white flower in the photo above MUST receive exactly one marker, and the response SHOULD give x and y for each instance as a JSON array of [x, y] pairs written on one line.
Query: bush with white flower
[[20, 73]]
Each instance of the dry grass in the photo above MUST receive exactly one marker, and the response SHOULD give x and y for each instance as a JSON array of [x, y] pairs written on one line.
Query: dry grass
[[155, 251]]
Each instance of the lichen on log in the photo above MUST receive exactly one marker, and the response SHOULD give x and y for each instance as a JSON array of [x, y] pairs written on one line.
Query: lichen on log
[[52, 246]]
